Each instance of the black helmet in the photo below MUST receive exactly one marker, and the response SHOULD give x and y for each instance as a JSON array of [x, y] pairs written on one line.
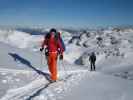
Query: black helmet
[[53, 30]]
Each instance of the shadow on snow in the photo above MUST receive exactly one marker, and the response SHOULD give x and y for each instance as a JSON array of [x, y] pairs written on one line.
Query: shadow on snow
[[24, 61]]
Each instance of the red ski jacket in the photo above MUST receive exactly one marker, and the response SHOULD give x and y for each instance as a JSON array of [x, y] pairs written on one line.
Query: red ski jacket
[[53, 45]]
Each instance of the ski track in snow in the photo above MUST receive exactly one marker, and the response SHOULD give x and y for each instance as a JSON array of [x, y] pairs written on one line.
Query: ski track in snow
[[37, 89], [14, 71]]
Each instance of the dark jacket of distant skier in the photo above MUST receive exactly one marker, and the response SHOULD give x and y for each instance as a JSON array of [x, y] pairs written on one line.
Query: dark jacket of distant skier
[[92, 60], [54, 46]]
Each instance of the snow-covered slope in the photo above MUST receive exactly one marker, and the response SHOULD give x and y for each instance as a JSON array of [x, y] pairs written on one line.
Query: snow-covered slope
[[97, 86], [20, 39], [26, 40], [24, 73], [22, 69]]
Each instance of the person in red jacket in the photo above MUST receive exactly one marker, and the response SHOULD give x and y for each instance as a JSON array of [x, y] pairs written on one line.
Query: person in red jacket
[[54, 47]]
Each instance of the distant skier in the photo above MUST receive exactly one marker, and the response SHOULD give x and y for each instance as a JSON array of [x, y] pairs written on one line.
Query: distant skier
[[53, 47], [92, 60]]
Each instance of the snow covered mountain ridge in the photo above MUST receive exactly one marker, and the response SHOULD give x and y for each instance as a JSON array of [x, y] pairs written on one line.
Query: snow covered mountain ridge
[[25, 40], [23, 72]]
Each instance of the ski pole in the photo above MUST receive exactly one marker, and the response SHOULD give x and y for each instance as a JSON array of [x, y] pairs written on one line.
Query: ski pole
[[61, 68], [41, 58], [64, 68]]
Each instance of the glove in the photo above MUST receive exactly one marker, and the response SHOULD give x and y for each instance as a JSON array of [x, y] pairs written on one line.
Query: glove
[[41, 49], [59, 51], [61, 57], [46, 52]]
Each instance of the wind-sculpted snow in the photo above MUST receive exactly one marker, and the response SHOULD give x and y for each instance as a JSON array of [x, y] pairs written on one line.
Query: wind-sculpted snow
[[40, 88], [11, 79]]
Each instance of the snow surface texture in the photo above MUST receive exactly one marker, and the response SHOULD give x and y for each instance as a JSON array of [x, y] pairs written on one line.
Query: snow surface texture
[[24, 72]]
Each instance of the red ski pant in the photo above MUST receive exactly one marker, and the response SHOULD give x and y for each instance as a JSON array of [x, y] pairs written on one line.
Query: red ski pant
[[52, 65]]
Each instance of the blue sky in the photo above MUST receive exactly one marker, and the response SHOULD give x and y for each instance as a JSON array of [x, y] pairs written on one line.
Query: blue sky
[[66, 13]]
